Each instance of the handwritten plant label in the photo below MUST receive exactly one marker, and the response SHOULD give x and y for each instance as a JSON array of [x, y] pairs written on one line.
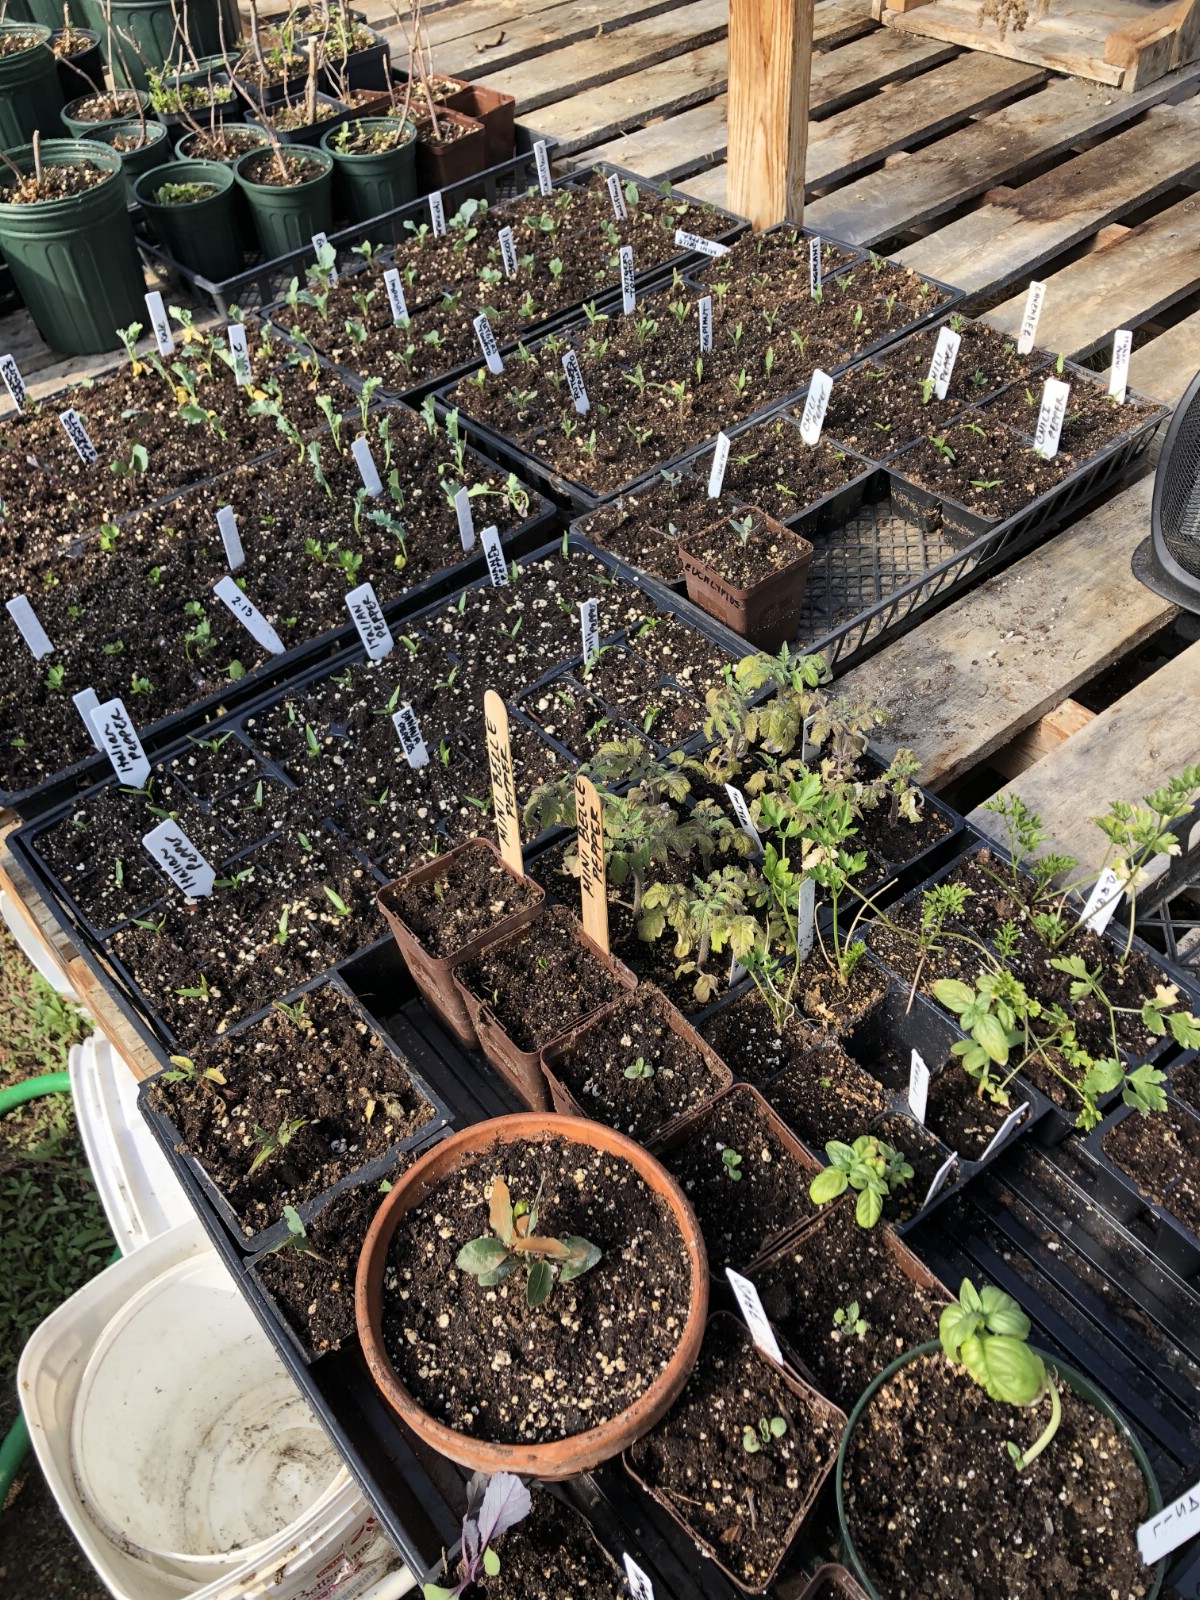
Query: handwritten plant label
[[466, 521], [367, 615], [248, 614], [160, 323], [806, 907], [628, 288], [1055, 395], [706, 325], [13, 381], [117, 737], [742, 812], [395, 294], [617, 195], [1034, 301], [702, 246], [437, 214], [175, 855], [1102, 902], [814, 266], [84, 448], [408, 731], [589, 622], [939, 1179], [487, 343], [575, 383], [593, 878], [320, 241], [1169, 1528], [494, 555], [30, 629], [508, 252], [918, 1086], [1005, 1128], [542, 161], [231, 538], [242, 372], [504, 793], [945, 354], [87, 703], [751, 1307], [367, 470], [716, 473], [1118, 378], [813, 420], [808, 745], [640, 1587]]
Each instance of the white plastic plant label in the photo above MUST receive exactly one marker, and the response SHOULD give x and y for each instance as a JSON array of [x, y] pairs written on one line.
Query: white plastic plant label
[[160, 323], [487, 343], [589, 622], [918, 1086], [1055, 394], [494, 554], [1102, 902], [813, 420], [248, 614], [716, 474], [541, 159], [1034, 302], [1168, 1529], [809, 748], [319, 242], [628, 287], [751, 1307], [466, 521], [579, 394], [640, 1587], [814, 266], [806, 907], [242, 371], [945, 354], [178, 858], [508, 252], [736, 972], [26, 618], [367, 615], [939, 1179], [367, 470], [742, 812], [84, 448], [1118, 378], [617, 196], [87, 703], [118, 738], [408, 731], [706, 325], [13, 381], [395, 294], [701, 245], [231, 538], [437, 214], [1005, 1128]]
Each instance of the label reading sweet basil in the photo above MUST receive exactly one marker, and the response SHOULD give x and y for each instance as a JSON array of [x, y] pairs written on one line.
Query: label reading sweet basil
[[408, 731], [367, 470], [367, 615], [242, 373], [118, 738], [395, 294], [742, 812], [437, 214], [814, 266], [589, 620], [466, 521], [175, 855], [1034, 302], [628, 288], [248, 614], [575, 382], [702, 246], [617, 195], [487, 343], [31, 630], [542, 161], [752, 1309], [13, 381], [508, 252], [160, 323], [918, 1086], [815, 407], [1055, 395], [716, 475], [87, 703], [494, 554], [84, 448], [945, 354], [706, 325], [1118, 380], [235, 556]]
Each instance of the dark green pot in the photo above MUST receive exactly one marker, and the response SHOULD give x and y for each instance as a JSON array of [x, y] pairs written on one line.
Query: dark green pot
[[202, 236], [49, 13], [152, 26], [1075, 1381], [78, 73], [30, 93], [286, 219], [249, 131], [77, 128], [75, 260], [134, 162], [372, 184]]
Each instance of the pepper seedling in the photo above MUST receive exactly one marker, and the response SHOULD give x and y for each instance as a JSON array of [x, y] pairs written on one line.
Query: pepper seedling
[[516, 1242]]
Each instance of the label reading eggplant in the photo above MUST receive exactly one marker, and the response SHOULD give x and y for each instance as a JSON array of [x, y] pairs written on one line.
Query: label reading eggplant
[[87, 703], [542, 161], [742, 812], [178, 858], [84, 448], [30, 629], [918, 1086], [508, 252], [395, 294], [814, 266], [589, 621], [235, 556], [628, 287], [617, 195], [706, 325], [702, 246], [437, 214], [575, 383], [815, 407], [160, 323], [118, 738], [945, 354], [716, 475], [13, 381], [494, 554], [1055, 395], [242, 372], [466, 521], [367, 470], [752, 1309], [1118, 381], [408, 731], [248, 614], [487, 343], [1034, 301], [367, 615]]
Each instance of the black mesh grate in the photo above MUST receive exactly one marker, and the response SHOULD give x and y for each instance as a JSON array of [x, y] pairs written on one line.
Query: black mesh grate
[[1177, 501]]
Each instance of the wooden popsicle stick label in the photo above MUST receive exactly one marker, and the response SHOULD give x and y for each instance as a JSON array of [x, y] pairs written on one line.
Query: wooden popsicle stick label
[[706, 325], [593, 878], [617, 196], [941, 368], [26, 618], [13, 381], [579, 394], [248, 614], [1118, 381], [628, 285], [437, 214], [73, 426], [508, 252], [119, 740], [367, 616], [395, 294], [701, 245], [178, 858], [160, 323], [242, 372], [231, 538], [504, 792], [716, 475], [542, 161], [487, 343], [87, 703], [1034, 301], [815, 407]]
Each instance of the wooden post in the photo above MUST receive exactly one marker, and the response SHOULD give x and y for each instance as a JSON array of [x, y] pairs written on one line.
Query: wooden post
[[770, 57]]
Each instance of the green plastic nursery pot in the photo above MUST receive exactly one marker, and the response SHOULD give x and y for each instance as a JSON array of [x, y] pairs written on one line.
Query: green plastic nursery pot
[[134, 162], [202, 234], [78, 72], [1074, 1380], [285, 219], [373, 183], [252, 137], [30, 94], [153, 28], [74, 260], [83, 127]]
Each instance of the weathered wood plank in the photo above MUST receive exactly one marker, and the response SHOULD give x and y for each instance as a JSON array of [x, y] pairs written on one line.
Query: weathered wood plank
[[1077, 48], [990, 152], [674, 146], [1013, 237], [1124, 282], [1164, 367], [470, 40], [969, 679], [670, 86]]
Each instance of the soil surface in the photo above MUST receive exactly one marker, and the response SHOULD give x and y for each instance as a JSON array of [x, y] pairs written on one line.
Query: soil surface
[[474, 894], [747, 550], [552, 1555], [1161, 1153]]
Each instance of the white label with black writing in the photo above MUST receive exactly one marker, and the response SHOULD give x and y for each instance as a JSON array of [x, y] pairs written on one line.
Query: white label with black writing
[[706, 325], [248, 614], [939, 1179], [508, 251], [814, 266], [367, 470], [1055, 394], [466, 522], [542, 161], [736, 972], [589, 622], [808, 746], [235, 556], [1005, 1128], [806, 907], [1118, 378], [918, 1086], [496, 564], [13, 381], [175, 855], [395, 294], [78, 435], [1169, 1528], [117, 737], [716, 474], [1034, 302], [367, 615], [815, 407], [702, 246], [31, 630], [87, 703], [242, 373], [487, 343], [1102, 902], [751, 1307], [742, 812], [617, 195], [945, 354], [437, 214], [408, 731], [640, 1587], [628, 289], [575, 382], [160, 323], [319, 242]]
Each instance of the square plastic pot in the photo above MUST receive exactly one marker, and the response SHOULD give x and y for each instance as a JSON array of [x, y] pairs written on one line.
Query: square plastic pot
[[496, 111], [443, 162], [1175, 1244], [768, 612]]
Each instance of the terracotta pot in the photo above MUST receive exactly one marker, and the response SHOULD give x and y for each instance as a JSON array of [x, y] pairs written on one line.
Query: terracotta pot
[[497, 112], [561, 1458], [441, 162], [433, 974], [768, 613], [522, 1069]]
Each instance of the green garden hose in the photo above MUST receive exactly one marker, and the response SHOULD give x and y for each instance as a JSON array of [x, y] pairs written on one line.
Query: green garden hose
[[49, 1083]]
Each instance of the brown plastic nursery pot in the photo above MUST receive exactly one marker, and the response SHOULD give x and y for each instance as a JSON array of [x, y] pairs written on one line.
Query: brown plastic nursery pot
[[768, 613], [443, 162], [560, 1458], [497, 112], [433, 974]]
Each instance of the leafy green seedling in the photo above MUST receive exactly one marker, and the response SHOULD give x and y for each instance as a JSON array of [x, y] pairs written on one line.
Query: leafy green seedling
[[869, 1166], [847, 1321], [762, 1436], [514, 1242], [641, 1068], [732, 1163], [987, 1333]]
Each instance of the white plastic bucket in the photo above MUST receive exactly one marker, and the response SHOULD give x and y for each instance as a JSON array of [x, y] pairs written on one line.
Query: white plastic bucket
[[29, 941]]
